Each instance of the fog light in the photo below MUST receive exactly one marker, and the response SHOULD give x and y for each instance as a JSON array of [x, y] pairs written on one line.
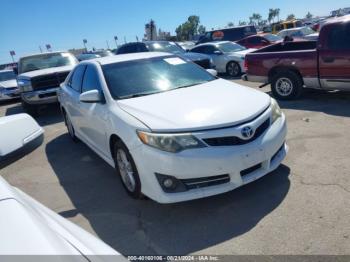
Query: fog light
[[168, 183]]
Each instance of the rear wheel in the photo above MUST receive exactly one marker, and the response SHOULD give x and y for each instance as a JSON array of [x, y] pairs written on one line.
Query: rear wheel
[[70, 127], [126, 169], [286, 85], [233, 69]]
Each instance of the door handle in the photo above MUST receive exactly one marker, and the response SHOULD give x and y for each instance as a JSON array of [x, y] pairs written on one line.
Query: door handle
[[328, 59]]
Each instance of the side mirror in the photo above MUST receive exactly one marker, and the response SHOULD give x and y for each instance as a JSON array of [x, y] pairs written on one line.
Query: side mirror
[[212, 72], [92, 96], [19, 135], [217, 52], [15, 70]]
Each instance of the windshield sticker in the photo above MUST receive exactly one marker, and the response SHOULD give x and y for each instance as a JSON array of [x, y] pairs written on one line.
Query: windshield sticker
[[174, 61]]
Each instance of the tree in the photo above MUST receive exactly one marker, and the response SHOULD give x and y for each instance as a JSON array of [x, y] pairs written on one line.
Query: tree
[[277, 11], [191, 27], [291, 17], [309, 15], [241, 23], [255, 19], [271, 15], [230, 24], [201, 30]]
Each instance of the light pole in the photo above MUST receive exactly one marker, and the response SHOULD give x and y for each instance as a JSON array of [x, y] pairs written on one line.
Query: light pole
[[116, 41], [12, 53], [85, 42]]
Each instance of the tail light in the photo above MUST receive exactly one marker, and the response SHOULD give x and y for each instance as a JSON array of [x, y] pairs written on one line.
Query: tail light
[[316, 27], [246, 65]]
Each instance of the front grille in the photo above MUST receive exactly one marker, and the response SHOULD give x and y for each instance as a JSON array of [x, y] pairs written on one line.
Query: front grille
[[250, 170], [48, 81], [194, 183], [236, 141], [205, 63]]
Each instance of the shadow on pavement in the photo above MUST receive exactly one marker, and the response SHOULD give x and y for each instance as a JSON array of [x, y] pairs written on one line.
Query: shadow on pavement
[[47, 115], [335, 103], [135, 227]]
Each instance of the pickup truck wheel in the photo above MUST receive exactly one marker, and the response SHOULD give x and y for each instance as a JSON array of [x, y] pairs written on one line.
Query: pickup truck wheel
[[127, 171], [30, 109], [286, 85], [233, 69], [70, 127]]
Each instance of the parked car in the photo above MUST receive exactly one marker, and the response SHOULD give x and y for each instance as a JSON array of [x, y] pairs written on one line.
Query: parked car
[[39, 77], [259, 41], [8, 85], [301, 32], [291, 66], [227, 57], [173, 131], [165, 46], [187, 45], [87, 56], [229, 34], [277, 27]]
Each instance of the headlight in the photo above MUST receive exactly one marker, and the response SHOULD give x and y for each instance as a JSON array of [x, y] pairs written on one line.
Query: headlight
[[276, 110], [170, 142], [24, 85]]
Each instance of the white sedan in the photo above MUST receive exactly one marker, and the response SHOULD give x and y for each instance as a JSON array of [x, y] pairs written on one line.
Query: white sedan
[[173, 131], [228, 57]]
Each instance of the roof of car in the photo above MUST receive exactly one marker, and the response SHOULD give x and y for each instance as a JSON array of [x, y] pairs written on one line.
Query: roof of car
[[45, 53], [128, 57]]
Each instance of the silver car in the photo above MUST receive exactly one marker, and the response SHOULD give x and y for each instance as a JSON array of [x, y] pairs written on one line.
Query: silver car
[[8, 85]]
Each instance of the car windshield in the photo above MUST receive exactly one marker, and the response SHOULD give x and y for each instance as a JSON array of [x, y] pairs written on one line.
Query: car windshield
[[168, 47], [272, 38], [230, 47], [150, 76], [8, 75], [307, 31], [38, 62], [104, 53]]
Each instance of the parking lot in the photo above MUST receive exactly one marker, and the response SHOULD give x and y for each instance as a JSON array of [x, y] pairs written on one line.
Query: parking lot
[[301, 208]]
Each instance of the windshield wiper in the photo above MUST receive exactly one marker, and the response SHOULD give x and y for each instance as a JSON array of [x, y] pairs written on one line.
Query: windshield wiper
[[137, 95]]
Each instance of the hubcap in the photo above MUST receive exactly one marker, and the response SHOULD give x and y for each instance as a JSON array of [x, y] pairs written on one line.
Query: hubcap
[[126, 170], [284, 86], [233, 69]]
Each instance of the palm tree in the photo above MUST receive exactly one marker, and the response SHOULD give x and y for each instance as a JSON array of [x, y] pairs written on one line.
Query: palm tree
[[290, 17], [277, 12]]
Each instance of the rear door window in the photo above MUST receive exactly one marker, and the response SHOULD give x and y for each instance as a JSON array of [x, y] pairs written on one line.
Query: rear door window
[[339, 37]]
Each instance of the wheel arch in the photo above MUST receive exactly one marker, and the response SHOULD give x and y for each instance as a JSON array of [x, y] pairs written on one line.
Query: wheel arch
[[278, 69]]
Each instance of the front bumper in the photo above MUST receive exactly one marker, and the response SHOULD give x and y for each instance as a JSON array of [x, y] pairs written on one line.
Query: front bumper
[[38, 97], [9, 94], [268, 151]]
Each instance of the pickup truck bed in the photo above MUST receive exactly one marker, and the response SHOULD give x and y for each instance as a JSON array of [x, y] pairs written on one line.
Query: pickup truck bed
[[290, 66]]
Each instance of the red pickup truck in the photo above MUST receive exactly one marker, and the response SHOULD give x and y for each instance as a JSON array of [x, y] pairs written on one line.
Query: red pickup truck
[[291, 66]]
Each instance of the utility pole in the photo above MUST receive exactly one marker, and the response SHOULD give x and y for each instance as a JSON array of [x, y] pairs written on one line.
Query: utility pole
[[151, 24], [85, 42], [12, 53], [40, 49], [107, 44], [137, 38]]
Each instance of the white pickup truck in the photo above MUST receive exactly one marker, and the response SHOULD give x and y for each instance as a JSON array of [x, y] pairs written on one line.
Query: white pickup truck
[[40, 75]]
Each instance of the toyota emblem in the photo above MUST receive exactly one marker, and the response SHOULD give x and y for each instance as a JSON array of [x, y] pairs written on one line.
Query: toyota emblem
[[247, 132]]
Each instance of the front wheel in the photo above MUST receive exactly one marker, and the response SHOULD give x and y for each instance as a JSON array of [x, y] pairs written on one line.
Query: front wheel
[[233, 69], [286, 85], [70, 127], [127, 171]]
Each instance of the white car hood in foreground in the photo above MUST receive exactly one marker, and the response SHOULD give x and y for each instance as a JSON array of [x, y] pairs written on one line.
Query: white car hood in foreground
[[8, 83], [29, 228], [46, 71], [214, 104]]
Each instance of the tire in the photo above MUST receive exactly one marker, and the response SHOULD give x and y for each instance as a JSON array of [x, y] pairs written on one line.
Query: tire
[[233, 69], [30, 109], [127, 171], [286, 85], [70, 127]]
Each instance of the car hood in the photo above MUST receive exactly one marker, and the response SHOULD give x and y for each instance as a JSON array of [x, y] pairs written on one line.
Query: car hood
[[215, 104], [194, 56], [8, 83], [46, 71]]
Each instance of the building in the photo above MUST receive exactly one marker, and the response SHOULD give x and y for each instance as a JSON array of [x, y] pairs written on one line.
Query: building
[[341, 12], [163, 36]]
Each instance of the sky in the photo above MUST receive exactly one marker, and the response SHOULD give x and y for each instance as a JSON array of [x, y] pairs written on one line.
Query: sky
[[27, 24]]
